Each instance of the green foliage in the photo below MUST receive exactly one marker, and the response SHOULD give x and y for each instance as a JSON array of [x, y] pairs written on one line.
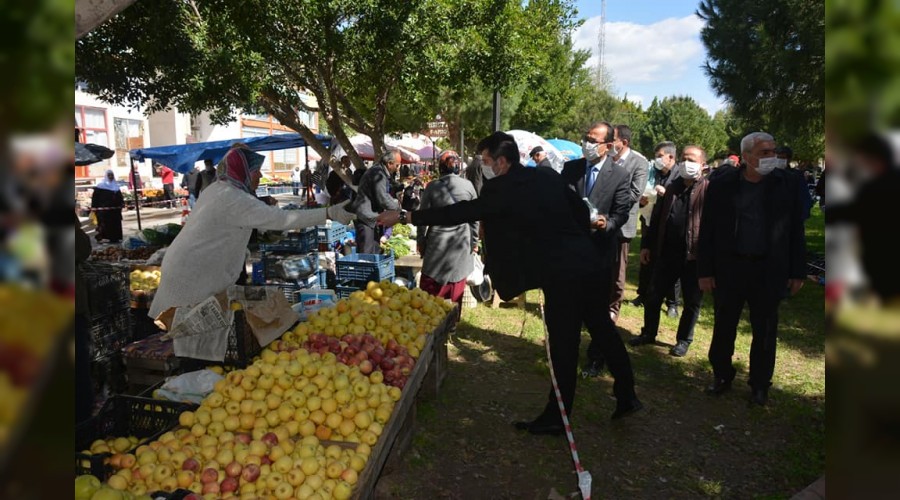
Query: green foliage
[[682, 121], [768, 59], [862, 74], [36, 62]]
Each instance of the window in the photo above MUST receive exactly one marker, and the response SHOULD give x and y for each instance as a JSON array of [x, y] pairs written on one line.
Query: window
[[284, 159], [129, 135], [91, 123]]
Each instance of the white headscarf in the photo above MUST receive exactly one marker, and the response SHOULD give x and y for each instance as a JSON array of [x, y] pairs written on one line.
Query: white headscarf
[[105, 183]]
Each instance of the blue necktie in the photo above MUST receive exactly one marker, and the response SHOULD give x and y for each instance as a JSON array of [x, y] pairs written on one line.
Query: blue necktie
[[592, 178]]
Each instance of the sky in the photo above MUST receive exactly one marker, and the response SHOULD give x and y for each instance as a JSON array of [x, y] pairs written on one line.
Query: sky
[[653, 48]]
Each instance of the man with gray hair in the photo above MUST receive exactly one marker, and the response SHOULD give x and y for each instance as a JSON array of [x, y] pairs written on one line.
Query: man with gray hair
[[373, 198], [751, 248]]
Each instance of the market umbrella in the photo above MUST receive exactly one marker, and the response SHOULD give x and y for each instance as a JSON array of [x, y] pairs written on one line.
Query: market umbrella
[[419, 144], [568, 149], [363, 146], [528, 141], [87, 154]]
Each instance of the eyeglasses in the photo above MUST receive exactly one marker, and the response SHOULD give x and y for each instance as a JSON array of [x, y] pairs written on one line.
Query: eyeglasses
[[590, 140]]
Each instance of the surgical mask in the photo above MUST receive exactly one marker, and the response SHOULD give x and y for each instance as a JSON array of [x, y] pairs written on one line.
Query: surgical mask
[[488, 172], [613, 151], [767, 165], [691, 170], [782, 163], [589, 150], [658, 164]]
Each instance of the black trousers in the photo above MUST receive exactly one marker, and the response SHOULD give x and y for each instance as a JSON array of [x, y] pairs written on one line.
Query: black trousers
[[569, 306], [745, 282], [665, 275], [367, 238], [645, 278], [169, 194]]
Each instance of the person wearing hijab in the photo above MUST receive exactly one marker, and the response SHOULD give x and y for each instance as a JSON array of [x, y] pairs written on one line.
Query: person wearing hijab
[[107, 203], [218, 229]]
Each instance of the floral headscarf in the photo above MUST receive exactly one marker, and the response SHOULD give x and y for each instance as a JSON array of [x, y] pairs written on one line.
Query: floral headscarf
[[236, 167]]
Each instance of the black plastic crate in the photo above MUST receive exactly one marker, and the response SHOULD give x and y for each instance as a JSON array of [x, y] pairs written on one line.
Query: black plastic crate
[[270, 265], [290, 289], [107, 285], [123, 416], [111, 332], [242, 347], [302, 241], [365, 267]]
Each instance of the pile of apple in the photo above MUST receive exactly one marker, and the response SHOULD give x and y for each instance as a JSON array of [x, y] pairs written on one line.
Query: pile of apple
[[293, 424], [367, 352], [116, 447]]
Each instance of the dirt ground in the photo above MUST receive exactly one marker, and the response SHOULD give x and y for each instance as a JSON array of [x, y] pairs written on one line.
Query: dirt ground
[[685, 444]]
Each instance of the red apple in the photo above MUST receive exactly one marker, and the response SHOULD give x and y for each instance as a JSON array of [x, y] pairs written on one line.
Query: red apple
[[265, 460], [361, 356], [233, 469], [386, 364], [392, 344], [209, 475], [270, 438], [243, 437], [190, 464], [365, 367], [210, 488], [376, 357], [351, 351], [250, 473], [228, 485], [193, 496]]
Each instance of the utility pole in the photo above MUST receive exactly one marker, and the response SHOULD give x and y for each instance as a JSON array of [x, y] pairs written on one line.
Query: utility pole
[[601, 43], [495, 114]]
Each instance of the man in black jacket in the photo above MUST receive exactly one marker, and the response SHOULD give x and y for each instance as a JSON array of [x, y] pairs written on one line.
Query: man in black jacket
[[607, 186], [536, 236], [752, 247], [374, 197]]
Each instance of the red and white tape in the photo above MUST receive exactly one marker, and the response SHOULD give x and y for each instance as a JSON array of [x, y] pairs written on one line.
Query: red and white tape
[[584, 477]]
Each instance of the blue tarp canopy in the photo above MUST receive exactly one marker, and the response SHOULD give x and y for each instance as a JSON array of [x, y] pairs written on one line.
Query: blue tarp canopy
[[182, 158]]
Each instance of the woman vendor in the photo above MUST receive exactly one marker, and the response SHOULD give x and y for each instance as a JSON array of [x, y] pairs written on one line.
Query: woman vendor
[[209, 253], [107, 202]]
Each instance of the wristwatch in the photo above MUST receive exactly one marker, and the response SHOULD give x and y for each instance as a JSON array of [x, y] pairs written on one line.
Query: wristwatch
[[402, 218]]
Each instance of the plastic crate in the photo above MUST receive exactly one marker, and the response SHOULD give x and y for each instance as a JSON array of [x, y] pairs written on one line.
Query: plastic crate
[[107, 285], [365, 267], [303, 241], [269, 267], [329, 235], [242, 347], [111, 332], [345, 288], [290, 289], [123, 416]]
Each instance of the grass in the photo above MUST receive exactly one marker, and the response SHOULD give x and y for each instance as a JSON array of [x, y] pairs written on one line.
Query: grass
[[684, 445]]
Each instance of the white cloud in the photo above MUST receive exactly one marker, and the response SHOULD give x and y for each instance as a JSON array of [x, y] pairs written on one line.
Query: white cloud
[[637, 99], [713, 107], [640, 53]]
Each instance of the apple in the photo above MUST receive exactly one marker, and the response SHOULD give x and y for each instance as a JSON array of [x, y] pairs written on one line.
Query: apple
[[209, 475], [365, 367], [210, 488], [228, 485], [233, 469], [270, 438], [284, 490], [386, 364], [86, 486], [250, 473], [243, 437]]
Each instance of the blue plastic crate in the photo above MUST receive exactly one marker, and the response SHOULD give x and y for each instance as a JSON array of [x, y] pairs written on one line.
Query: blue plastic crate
[[290, 289], [365, 267], [302, 241], [344, 289], [329, 235]]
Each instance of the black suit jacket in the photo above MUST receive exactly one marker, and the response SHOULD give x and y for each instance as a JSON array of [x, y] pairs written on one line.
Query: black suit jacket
[[786, 240], [535, 230], [611, 196], [373, 196]]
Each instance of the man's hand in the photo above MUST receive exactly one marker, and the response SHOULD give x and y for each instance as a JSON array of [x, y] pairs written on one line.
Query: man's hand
[[600, 223], [644, 200], [339, 213], [660, 191], [707, 284], [645, 256], [795, 285], [388, 218]]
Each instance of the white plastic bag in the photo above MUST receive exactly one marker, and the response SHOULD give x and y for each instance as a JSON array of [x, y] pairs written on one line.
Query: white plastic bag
[[189, 387], [476, 277]]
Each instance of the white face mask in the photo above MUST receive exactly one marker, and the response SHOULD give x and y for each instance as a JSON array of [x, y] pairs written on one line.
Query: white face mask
[[691, 170], [659, 164], [767, 165], [782, 163], [614, 152], [487, 171], [589, 150]]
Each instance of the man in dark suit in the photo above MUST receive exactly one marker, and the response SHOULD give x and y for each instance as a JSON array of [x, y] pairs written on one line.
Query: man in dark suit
[[752, 247], [637, 167], [373, 198], [536, 236], [607, 187]]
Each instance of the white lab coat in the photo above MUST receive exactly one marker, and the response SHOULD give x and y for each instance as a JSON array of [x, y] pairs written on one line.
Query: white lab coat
[[211, 249]]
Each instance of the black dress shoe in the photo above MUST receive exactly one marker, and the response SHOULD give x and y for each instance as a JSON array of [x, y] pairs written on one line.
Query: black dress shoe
[[759, 397], [680, 348], [541, 428], [592, 368], [629, 408], [719, 387], [642, 340]]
